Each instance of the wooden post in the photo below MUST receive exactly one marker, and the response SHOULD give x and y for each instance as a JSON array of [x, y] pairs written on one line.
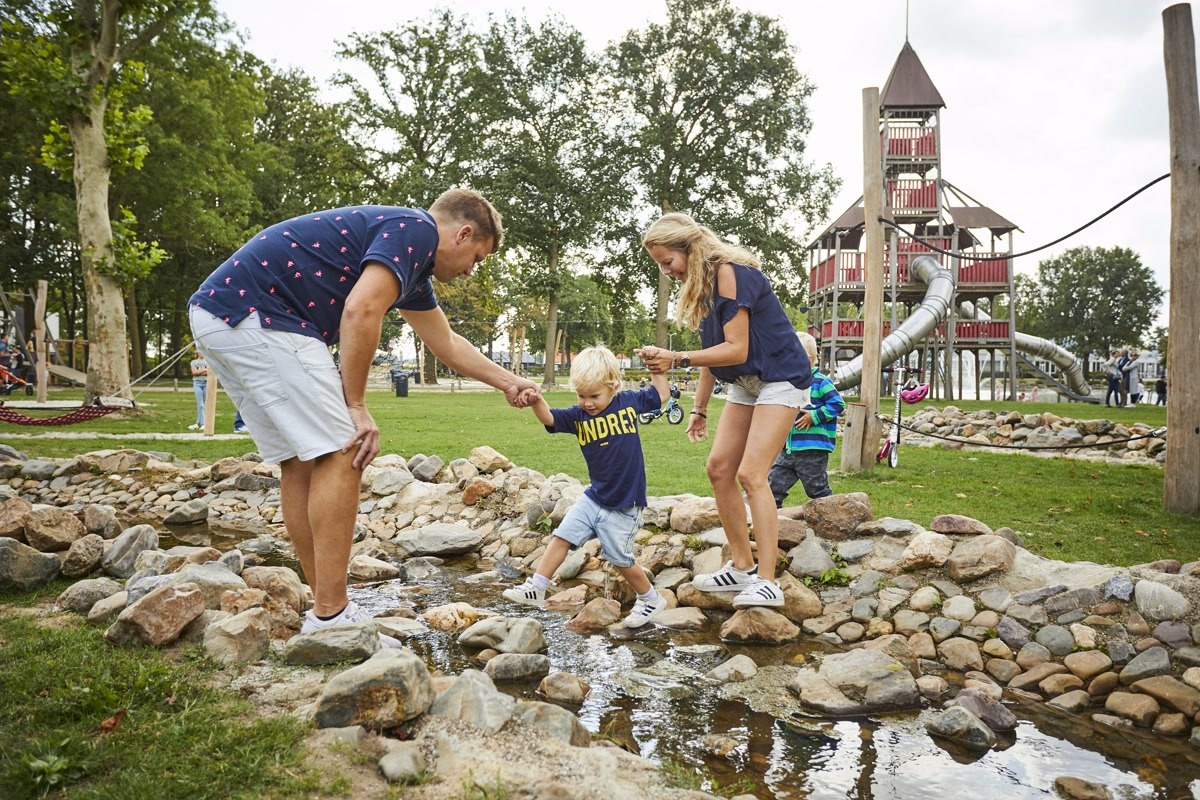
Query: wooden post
[[41, 350], [210, 404], [864, 458], [1181, 476]]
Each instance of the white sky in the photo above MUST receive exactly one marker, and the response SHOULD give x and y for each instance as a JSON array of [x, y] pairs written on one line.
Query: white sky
[[1055, 109]]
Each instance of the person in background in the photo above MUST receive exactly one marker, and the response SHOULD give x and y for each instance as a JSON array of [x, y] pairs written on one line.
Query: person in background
[[805, 456], [199, 369], [1133, 378], [1160, 389], [1112, 376]]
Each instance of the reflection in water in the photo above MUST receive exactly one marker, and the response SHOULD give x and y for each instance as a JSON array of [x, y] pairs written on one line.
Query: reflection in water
[[883, 758]]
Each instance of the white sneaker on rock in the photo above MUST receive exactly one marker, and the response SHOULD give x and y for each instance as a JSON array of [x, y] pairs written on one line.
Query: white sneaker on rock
[[645, 611], [760, 592], [351, 614], [527, 593], [727, 579]]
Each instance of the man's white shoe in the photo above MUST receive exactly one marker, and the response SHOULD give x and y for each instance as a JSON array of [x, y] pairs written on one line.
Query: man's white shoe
[[349, 615], [760, 592], [727, 579], [194, 427], [645, 611], [527, 593]]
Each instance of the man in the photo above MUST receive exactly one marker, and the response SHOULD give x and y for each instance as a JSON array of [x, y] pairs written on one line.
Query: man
[[265, 318]]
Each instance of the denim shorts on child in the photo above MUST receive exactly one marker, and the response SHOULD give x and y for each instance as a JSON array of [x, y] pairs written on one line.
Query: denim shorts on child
[[749, 390], [615, 528], [285, 384]]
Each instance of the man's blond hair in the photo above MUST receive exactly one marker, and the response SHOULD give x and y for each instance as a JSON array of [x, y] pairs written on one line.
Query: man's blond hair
[[469, 207], [595, 365]]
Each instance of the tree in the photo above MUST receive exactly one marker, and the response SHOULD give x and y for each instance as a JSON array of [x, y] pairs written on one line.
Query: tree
[[77, 60], [715, 117], [547, 163], [584, 318], [1091, 299]]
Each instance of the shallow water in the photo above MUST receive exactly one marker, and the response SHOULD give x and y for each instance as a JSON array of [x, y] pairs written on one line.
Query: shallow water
[[884, 757]]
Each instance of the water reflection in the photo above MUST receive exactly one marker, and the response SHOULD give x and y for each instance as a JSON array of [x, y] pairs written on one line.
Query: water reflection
[[677, 713]]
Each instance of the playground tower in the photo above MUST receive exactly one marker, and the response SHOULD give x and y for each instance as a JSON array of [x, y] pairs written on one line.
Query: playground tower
[[924, 203]]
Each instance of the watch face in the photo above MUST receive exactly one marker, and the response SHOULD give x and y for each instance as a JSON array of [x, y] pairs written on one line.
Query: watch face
[[685, 362]]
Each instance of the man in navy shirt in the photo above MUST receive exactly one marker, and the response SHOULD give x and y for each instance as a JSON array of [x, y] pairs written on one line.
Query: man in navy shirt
[[264, 321]]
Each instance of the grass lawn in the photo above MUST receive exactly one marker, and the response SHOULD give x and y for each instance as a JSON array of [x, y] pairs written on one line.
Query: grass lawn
[[1065, 509], [175, 737]]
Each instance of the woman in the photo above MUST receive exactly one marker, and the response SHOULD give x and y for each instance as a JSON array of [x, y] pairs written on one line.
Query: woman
[[750, 344]]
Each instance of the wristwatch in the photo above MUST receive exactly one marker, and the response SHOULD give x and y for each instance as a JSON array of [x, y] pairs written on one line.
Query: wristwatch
[[685, 362]]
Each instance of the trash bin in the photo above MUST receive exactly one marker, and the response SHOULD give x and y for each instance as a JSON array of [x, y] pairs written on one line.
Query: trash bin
[[400, 381]]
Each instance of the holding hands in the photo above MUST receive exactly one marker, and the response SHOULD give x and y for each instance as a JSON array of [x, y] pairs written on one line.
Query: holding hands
[[656, 359], [522, 393]]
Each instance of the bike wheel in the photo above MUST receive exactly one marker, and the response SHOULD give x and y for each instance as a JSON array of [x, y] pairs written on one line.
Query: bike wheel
[[646, 418], [29, 389], [893, 456], [675, 415]]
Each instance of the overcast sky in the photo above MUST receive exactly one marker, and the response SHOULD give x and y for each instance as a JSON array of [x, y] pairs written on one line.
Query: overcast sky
[[1055, 110]]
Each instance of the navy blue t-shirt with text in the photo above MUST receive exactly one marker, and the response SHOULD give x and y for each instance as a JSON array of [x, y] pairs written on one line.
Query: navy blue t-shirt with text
[[611, 446], [297, 274]]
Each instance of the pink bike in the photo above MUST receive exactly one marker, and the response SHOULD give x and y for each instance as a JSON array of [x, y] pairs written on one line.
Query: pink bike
[[911, 392]]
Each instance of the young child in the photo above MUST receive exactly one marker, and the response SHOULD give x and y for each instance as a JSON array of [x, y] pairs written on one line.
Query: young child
[[805, 456], [605, 423]]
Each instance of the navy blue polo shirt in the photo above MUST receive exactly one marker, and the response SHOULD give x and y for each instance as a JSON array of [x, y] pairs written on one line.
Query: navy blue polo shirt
[[297, 274], [775, 354], [611, 446]]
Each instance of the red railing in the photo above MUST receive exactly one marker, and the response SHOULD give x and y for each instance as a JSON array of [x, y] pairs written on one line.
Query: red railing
[[989, 273], [979, 330], [912, 194], [909, 142], [849, 329], [971, 274]]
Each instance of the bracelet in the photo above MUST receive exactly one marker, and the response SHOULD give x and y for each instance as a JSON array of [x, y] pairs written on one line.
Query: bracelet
[[699, 414]]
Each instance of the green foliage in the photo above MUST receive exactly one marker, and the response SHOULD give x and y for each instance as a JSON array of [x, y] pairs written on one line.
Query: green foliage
[[47, 770], [491, 790], [835, 576], [1091, 299], [693, 543], [132, 259], [679, 775]]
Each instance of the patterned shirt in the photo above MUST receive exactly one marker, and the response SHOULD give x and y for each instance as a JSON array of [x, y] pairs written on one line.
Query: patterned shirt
[[825, 405], [611, 446], [297, 274]]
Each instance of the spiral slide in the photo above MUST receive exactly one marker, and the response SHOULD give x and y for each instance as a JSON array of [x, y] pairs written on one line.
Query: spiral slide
[[933, 310]]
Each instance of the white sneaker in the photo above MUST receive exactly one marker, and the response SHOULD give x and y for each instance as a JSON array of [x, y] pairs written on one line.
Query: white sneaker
[[194, 427], [760, 592], [645, 611], [351, 614], [727, 579], [527, 593], [241, 429]]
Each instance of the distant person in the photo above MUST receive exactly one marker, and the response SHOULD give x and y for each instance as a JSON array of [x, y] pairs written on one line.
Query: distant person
[[605, 421], [1033, 394], [1133, 379], [199, 369], [265, 319], [5, 353], [1112, 376], [805, 456], [1160, 390]]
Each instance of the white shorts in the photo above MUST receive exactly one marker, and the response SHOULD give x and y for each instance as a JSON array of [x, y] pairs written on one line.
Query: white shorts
[[285, 385], [749, 390]]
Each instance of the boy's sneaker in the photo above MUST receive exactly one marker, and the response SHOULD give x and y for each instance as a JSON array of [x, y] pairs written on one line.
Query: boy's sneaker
[[194, 427], [527, 593], [760, 592], [727, 579], [645, 611], [351, 614]]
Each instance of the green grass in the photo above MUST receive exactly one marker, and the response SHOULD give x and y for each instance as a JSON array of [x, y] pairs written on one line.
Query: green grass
[[1065, 509], [178, 738]]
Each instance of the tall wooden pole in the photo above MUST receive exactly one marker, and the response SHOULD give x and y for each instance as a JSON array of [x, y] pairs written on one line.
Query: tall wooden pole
[[210, 404], [1181, 484], [41, 350]]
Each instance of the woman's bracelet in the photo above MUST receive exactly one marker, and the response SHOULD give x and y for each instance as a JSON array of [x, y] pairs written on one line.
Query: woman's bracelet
[[699, 414]]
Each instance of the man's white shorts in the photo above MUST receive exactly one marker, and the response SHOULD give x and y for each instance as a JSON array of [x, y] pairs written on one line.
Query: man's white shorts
[[285, 384]]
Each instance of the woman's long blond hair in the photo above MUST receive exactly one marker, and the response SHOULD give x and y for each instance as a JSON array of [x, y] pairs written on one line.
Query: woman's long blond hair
[[705, 253]]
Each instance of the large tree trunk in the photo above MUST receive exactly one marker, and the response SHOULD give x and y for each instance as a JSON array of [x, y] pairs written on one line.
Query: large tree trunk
[[552, 319], [429, 373], [108, 358]]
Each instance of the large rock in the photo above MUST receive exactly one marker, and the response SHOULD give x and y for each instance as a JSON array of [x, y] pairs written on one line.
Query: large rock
[[799, 601], [213, 579], [759, 625], [440, 539], [1148, 664], [863, 681], [385, 691], [839, 515], [12, 518], [82, 595], [564, 687], [957, 523], [595, 616], [83, 556], [1156, 602], [505, 635], [554, 720], [193, 512], [281, 583], [121, 557], [809, 559], [356, 641], [101, 520], [960, 725], [987, 709], [517, 666], [927, 549], [487, 460], [450, 618], [52, 529], [473, 698], [1171, 692], [695, 515], [23, 568], [239, 639], [980, 556], [159, 617]]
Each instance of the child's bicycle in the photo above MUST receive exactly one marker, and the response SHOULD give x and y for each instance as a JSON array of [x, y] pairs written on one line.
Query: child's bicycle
[[672, 409], [912, 392], [10, 382]]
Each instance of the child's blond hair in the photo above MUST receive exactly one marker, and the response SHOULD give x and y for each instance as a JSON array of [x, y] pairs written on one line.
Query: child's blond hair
[[810, 346], [593, 365]]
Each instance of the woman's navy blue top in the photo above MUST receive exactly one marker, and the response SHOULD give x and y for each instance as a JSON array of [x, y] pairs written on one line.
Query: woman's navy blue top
[[775, 353]]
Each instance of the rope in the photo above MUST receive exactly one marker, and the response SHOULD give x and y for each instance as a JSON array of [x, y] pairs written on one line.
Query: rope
[[1007, 256], [1157, 432]]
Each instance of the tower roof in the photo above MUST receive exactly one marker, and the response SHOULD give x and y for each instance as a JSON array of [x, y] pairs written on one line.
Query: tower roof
[[909, 85]]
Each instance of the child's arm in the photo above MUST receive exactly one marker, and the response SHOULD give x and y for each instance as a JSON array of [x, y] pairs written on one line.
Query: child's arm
[[832, 405], [541, 410], [659, 381]]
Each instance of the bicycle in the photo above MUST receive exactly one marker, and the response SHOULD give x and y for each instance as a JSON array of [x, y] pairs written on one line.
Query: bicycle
[[672, 409], [911, 393]]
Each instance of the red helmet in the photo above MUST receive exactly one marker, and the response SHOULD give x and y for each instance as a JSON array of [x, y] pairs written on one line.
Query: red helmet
[[915, 394]]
